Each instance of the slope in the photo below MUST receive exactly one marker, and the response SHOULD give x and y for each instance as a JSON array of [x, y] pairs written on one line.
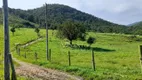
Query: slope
[[136, 24], [14, 19], [135, 28], [57, 14]]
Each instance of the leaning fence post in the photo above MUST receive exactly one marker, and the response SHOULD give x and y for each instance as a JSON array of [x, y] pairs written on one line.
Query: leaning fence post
[[12, 68], [69, 58], [93, 61], [141, 56]]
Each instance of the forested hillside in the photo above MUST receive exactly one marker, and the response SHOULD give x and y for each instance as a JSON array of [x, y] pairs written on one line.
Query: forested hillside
[[16, 20], [57, 14], [137, 30], [136, 24]]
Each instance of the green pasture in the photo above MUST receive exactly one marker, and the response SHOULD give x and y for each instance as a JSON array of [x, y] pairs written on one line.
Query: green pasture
[[21, 36], [117, 56]]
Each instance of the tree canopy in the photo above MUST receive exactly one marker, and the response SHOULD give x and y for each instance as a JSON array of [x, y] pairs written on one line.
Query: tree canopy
[[71, 30]]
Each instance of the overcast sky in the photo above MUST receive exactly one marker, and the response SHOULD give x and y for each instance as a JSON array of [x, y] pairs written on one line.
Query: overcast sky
[[117, 11]]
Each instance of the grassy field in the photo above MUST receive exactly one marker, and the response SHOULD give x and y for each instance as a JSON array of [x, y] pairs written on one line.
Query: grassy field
[[21, 36], [116, 55]]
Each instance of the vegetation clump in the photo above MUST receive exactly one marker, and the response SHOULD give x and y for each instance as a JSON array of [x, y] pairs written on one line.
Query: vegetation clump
[[13, 30], [37, 31], [90, 41], [71, 30]]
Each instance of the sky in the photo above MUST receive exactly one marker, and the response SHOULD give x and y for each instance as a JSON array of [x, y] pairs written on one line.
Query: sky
[[117, 11]]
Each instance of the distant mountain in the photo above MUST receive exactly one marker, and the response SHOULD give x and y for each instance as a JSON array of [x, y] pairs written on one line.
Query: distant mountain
[[57, 14], [136, 24], [135, 28]]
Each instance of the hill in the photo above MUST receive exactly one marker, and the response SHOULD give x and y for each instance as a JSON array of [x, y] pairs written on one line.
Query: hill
[[135, 28], [14, 19], [57, 14], [136, 24]]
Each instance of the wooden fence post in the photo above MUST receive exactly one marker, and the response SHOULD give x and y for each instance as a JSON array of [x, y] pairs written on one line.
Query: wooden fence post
[[35, 56], [16, 48], [141, 56], [49, 55], [19, 51], [12, 68], [69, 58], [25, 55], [93, 61]]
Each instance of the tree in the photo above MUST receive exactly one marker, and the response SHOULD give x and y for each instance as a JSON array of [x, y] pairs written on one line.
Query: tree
[[37, 31], [90, 41], [31, 18], [71, 30], [12, 30], [82, 31]]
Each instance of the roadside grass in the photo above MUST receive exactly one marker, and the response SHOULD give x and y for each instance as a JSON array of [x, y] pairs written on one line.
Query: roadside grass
[[117, 56], [21, 36]]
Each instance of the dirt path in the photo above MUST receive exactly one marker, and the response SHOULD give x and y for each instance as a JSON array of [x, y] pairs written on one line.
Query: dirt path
[[32, 42], [39, 73]]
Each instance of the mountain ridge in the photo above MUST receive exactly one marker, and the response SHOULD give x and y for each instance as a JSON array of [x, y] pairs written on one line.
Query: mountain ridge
[[57, 14], [138, 23]]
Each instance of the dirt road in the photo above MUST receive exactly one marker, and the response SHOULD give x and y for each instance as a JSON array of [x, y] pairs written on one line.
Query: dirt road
[[39, 73]]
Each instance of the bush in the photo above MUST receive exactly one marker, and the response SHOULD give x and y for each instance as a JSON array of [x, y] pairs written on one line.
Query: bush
[[12, 30], [90, 41]]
